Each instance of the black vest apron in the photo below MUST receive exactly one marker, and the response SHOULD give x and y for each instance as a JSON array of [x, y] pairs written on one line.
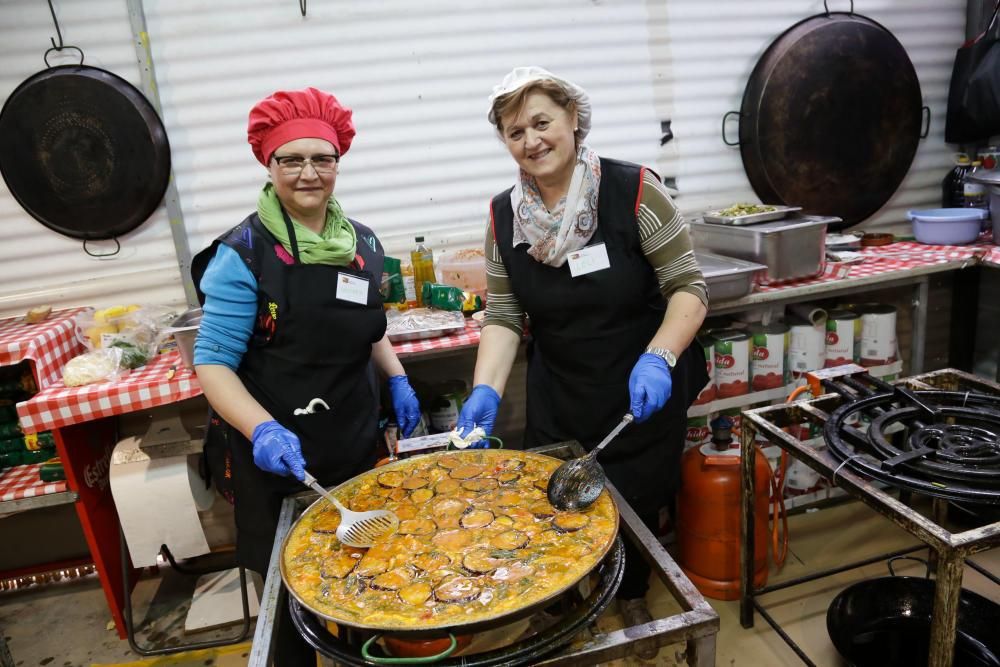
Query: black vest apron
[[306, 344], [588, 332]]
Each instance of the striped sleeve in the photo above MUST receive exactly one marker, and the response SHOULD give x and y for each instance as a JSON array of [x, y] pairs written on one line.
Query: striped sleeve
[[502, 307], [665, 241]]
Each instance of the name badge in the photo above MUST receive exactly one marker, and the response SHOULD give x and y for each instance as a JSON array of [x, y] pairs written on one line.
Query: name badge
[[353, 289], [590, 259]]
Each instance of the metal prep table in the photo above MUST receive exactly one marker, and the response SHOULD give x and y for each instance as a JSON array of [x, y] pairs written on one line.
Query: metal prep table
[[697, 626]]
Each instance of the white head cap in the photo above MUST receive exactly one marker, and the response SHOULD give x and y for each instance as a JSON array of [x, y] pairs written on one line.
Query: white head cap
[[522, 76]]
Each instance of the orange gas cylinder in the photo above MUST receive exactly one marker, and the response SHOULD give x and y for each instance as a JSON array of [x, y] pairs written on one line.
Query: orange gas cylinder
[[708, 516]]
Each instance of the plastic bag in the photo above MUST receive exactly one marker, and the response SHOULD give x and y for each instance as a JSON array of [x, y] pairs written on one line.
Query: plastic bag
[[97, 366], [136, 330]]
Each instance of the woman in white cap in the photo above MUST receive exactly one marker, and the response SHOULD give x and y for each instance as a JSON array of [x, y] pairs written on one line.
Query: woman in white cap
[[594, 251]]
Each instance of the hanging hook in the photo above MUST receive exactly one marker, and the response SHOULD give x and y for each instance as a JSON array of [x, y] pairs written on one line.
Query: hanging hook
[[302, 6], [826, 8], [59, 46]]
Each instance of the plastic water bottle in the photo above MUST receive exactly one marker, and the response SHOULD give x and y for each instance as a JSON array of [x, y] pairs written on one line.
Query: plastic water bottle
[[953, 186], [976, 195]]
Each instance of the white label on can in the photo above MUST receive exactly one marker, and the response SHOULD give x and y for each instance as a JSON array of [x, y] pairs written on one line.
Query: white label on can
[[807, 350], [841, 342], [732, 367], [769, 361], [878, 336]]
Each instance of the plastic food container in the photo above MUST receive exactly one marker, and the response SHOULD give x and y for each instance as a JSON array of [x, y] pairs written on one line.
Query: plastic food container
[[947, 226], [465, 269]]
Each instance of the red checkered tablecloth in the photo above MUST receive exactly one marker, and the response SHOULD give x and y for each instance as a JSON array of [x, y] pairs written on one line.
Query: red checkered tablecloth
[[142, 388], [467, 338], [49, 343], [993, 257], [23, 482], [892, 258]]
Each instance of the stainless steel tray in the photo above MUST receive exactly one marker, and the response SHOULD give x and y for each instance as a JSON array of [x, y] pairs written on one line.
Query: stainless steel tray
[[791, 248], [728, 278], [421, 334], [779, 212]]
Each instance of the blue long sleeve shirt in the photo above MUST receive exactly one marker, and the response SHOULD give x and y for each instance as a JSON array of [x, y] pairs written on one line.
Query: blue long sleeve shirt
[[229, 312]]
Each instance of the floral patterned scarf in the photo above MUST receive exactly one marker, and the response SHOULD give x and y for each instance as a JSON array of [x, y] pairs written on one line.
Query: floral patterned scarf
[[554, 234]]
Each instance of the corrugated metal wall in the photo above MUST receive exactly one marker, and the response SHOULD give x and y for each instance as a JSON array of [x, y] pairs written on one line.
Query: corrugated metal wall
[[417, 75]]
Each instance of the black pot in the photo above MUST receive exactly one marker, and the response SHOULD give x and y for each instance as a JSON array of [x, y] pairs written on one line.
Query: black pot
[[886, 622]]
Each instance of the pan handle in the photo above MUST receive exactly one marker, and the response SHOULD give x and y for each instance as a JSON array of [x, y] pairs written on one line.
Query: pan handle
[[725, 140], [406, 661], [118, 245], [925, 129], [826, 9], [919, 560]]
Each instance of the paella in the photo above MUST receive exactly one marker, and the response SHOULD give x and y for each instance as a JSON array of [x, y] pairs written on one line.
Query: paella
[[477, 540]]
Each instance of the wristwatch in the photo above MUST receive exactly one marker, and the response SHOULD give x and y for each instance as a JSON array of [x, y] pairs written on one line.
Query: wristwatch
[[663, 352]]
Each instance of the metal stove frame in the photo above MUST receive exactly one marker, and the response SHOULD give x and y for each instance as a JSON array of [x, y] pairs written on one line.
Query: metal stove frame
[[697, 625], [949, 551]]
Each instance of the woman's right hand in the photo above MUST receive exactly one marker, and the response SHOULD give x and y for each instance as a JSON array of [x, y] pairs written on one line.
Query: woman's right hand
[[480, 409], [277, 450]]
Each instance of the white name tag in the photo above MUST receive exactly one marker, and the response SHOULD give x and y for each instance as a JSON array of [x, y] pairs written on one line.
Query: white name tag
[[590, 259], [353, 289]]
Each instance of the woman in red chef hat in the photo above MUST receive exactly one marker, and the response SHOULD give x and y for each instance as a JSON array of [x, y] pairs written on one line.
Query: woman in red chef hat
[[293, 320]]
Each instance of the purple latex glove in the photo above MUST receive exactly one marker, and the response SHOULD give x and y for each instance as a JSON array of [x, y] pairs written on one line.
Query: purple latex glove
[[277, 450], [649, 386], [405, 403], [479, 409]]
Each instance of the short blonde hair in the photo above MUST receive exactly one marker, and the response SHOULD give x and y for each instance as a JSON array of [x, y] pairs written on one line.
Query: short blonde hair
[[514, 102]]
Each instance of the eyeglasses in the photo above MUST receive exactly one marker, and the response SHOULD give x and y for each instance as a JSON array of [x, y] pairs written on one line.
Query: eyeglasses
[[292, 165]]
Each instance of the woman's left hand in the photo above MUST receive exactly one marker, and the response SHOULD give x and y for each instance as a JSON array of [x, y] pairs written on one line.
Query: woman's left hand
[[649, 386], [405, 403]]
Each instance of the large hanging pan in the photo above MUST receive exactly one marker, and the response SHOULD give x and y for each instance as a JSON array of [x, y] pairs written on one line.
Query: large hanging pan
[[83, 152], [831, 117]]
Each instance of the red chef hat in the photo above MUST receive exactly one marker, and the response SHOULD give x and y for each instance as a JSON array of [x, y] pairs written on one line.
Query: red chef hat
[[288, 115]]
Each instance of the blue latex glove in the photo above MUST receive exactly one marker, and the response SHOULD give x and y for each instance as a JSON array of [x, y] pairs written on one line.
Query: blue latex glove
[[649, 386], [405, 403], [479, 409], [277, 450]]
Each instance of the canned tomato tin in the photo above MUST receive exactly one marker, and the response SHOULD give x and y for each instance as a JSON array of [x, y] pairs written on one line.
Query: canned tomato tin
[[707, 394], [843, 338], [806, 347], [732, 363], [769, 357], [698, 432], [878, 334]]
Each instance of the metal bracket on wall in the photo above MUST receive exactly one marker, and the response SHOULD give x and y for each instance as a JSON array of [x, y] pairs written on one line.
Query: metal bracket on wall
[[144, 54]]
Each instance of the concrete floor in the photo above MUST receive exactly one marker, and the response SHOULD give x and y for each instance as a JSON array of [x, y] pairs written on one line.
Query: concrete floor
[[66, 625]]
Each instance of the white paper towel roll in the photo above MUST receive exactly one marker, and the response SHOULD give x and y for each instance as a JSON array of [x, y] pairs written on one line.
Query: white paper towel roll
[[158, 493]]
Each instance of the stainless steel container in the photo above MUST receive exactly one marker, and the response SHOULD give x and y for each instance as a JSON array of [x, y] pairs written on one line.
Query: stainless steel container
[[791, 248], [185, 330], [728, 278], [991, 178]]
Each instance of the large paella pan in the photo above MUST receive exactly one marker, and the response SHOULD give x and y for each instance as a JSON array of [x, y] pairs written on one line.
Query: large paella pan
[[478, 541]]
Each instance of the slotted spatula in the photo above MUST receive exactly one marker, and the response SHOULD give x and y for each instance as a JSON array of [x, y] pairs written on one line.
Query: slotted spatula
[[357, 529], [577, 483]]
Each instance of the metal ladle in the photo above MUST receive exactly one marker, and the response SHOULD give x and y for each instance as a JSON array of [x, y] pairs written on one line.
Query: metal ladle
[[577, 483]]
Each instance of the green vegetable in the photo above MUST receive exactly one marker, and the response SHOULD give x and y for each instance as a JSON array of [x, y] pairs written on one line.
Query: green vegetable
[[736, 210], [132, 356]]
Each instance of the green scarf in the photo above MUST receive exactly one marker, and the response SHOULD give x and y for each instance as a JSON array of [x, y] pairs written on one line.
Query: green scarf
[[336, 245]]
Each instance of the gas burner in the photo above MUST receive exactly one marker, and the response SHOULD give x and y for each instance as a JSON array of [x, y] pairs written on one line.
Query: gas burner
[[940, 443]]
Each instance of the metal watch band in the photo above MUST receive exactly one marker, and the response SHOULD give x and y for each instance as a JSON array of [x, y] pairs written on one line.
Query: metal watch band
[[667, 355]]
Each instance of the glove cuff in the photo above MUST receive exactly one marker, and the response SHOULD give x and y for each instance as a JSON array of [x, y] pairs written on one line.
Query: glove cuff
[[260, 428], [656, 360], [487, 389]]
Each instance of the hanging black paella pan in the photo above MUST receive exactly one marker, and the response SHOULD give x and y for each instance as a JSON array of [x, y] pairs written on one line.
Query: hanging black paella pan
[[83, 152], [831, 117]]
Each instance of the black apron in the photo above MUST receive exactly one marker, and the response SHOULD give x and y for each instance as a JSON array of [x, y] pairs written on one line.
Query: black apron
[[588, 332], [307, 344]]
